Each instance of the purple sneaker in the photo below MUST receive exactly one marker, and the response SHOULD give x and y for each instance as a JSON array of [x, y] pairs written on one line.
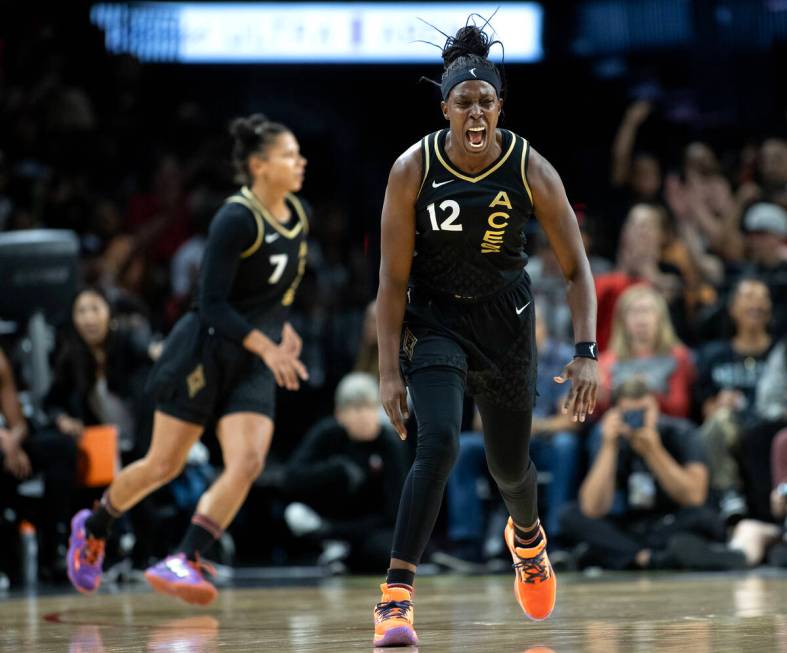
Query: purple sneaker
[[85, 556], [178, 576]]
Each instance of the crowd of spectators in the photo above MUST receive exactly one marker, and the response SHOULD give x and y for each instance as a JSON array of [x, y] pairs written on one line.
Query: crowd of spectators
[[683, 466]]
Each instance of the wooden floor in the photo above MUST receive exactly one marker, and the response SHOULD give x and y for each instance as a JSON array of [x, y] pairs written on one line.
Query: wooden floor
[[612, 614]]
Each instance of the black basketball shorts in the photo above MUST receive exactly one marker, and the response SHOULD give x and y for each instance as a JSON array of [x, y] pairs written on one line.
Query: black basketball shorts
[[492, 342], [202, 376]]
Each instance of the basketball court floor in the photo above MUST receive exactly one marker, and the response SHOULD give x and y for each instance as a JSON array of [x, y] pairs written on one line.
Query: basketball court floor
[[609, 614]]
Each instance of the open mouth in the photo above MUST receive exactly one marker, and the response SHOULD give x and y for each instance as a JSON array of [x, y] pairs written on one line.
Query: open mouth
[[475, 137]]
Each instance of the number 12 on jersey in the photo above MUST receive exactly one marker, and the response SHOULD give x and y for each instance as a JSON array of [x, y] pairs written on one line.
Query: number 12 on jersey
[[452, 208]]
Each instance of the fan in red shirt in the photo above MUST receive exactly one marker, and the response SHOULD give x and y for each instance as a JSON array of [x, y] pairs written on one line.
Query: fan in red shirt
[[643, 343]]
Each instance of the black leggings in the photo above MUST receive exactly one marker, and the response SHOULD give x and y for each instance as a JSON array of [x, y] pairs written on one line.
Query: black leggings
[[437, 394]]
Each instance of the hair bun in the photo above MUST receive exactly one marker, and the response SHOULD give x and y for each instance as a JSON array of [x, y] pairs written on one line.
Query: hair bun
[[250, 128], [469, 40]]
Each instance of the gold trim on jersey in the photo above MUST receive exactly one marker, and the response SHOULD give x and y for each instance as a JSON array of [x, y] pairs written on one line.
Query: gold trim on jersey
[[483, 175], [289, 296], [257, 218], [425, 142], [273, 222], [300, 211], [525, 149]]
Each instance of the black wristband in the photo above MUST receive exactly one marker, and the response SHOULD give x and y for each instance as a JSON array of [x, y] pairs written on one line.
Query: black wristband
[[586, 350]]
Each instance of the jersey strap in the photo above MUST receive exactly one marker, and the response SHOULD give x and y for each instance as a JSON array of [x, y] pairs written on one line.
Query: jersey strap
[[424, 161], [237, 199], [300, 211], [523, 167]]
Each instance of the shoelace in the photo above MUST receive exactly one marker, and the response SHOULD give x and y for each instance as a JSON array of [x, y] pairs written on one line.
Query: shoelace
[[200, 565], [93, 550], [393, 609], [534, 569]]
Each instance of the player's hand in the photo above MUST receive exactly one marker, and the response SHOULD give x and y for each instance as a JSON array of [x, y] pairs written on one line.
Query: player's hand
[[638, 112], [394, 400], [6, 441], [69, 425], [581, 399], [287, 370], [290, 340], [17, 463]]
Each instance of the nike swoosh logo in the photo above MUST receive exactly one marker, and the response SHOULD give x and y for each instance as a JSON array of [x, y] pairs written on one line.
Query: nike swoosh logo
[[519, 310], [269, 238], [472, 72], [442, 183]]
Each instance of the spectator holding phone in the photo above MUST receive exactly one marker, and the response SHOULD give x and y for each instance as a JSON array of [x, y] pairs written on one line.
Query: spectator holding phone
[[641, 505]]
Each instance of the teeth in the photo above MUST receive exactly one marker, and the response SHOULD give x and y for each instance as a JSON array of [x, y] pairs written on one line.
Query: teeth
[[476, 129]]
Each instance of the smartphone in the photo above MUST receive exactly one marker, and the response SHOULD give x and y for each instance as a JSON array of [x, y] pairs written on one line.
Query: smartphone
[[634, 419]]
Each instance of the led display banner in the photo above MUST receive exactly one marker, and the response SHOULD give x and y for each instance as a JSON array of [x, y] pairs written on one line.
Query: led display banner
[[327, 32]]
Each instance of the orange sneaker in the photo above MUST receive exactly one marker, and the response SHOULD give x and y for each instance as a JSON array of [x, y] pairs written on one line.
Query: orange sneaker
[[393, 618], [535, 586]]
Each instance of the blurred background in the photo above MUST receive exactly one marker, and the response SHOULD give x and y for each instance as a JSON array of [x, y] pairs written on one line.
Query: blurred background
[[667, 120]]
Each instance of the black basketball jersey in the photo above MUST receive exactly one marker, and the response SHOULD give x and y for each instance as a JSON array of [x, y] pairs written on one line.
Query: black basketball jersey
[[271, 269], [470, 228]]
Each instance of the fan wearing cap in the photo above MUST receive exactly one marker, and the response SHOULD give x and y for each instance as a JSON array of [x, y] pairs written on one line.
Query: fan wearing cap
[[455, 312], [765, 228]]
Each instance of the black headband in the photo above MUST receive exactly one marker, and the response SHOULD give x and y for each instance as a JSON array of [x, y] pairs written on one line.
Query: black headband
[[465, 73]]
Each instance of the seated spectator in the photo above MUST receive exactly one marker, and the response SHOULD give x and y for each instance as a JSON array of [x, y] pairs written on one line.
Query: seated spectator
[[771, 393], [772, 164], [708, 217], [23, 454], [639, 261], [641, 504], [644, 343], [728, 371], [778, 554], [765, 237], [99, 374], [759, 539], [554, 447], [547, 282], [758, 433], [349, 471]]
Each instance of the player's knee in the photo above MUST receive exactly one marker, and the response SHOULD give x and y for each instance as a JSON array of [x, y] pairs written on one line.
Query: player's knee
[[163, 470], [437, 452], [248, 467]]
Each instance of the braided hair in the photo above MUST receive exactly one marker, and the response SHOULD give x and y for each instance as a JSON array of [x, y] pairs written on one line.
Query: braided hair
[[252, 135], [469, 47]]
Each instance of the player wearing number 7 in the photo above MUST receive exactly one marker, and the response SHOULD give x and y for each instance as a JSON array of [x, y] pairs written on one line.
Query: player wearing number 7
[[455, 310], [222, 361]]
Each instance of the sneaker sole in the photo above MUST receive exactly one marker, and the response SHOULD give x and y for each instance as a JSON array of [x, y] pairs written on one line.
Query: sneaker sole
[[193, 594], [82, 590], [400, 636]]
